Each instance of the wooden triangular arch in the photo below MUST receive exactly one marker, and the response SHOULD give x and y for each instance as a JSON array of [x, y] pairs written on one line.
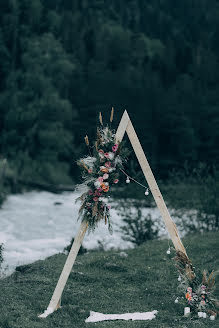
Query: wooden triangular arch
[[124, 126]]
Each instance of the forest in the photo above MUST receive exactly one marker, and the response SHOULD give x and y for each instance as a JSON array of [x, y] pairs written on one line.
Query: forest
[[64, 61]]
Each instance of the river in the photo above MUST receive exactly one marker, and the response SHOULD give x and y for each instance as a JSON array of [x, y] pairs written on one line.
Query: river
[[33, 227]]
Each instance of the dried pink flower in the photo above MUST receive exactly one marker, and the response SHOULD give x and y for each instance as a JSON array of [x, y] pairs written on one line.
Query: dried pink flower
[[115, 147], [105, 176]]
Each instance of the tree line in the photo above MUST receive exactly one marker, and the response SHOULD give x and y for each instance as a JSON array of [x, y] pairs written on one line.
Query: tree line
[[63, 61]]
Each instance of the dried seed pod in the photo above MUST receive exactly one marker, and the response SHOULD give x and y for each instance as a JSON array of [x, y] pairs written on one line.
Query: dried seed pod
[[86, 140], [82, 197], [82, 207], [83, 165], [204, 278], [211, 280], [96, 145], [95, 209], [111, 116], [100, 119]]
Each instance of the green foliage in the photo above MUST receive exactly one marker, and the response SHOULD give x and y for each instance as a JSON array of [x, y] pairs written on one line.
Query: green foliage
[[62, 62], [108, 283], [38, 120], [23, 268], [138, 228]]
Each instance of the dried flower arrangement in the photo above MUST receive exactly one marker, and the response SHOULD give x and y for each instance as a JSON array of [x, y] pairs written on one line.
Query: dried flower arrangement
[[100, 171], [197, 289]]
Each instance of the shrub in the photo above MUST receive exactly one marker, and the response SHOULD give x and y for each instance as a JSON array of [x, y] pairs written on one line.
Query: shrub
[[138, 228]]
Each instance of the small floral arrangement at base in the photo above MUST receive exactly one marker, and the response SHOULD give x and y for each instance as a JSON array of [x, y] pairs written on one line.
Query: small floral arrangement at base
[[197, 290], [100, 174]]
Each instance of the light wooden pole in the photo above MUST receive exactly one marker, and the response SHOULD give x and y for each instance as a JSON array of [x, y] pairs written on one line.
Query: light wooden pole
[[55, 301], [125, 125]]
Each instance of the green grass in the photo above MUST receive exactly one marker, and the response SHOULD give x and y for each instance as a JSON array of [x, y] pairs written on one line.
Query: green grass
[[105, 282]]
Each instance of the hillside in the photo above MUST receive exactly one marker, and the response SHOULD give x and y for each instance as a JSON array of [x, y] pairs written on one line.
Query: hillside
[[106, 282]]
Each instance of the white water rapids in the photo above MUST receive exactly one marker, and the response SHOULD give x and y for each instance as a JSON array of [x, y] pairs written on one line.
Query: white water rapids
[[32, 227]]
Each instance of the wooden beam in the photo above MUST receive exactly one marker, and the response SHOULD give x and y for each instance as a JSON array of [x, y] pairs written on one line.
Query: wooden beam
[[170, 225], [56, 297], [122, 126]]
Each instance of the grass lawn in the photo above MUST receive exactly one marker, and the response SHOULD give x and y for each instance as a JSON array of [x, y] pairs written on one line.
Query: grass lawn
[[106, 282]]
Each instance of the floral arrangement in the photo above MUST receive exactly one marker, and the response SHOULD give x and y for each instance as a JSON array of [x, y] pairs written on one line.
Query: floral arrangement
[[197, 289], [100, 172]]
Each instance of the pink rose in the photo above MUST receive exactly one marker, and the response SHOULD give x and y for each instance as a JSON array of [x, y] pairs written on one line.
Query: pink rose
[[101, 151], [100, 179], [108, 164], [105, 176], [106, 155], [90, 170], [116, 181], [99, 189], [115, 147], [90, 192], [95, 199]]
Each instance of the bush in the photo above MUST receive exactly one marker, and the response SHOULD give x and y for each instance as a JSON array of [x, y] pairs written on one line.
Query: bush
[[82, 249], [138, 228]]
